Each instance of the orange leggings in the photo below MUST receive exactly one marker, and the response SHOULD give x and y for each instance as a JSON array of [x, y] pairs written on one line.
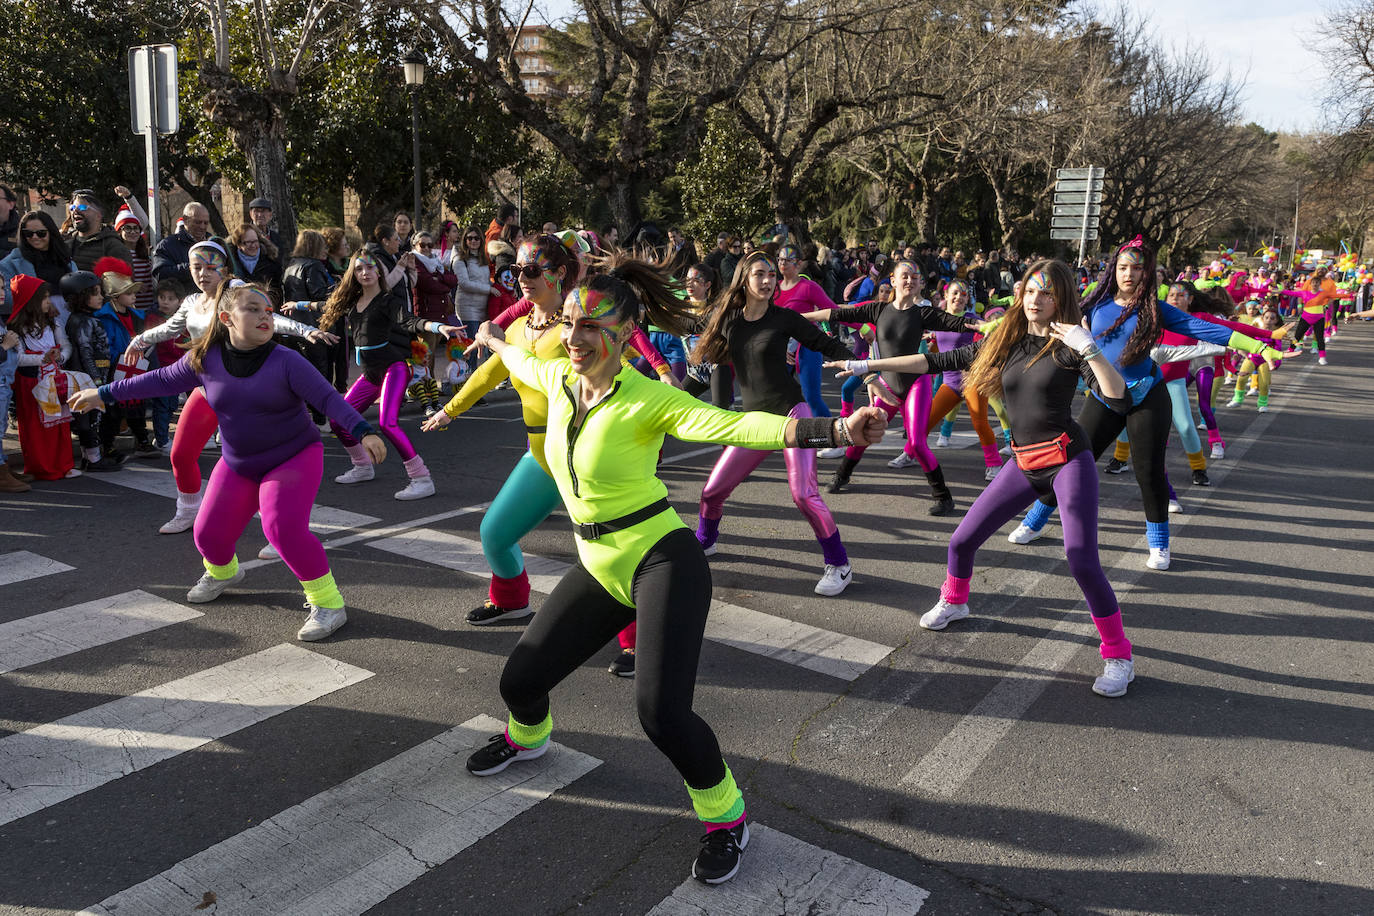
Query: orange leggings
[[945, 400]]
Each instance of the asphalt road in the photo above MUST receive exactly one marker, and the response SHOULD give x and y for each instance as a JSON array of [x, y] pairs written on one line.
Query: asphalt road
[[893, 769]]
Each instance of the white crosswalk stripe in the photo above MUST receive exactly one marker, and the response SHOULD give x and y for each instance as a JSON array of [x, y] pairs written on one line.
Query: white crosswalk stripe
[[60, 760], [22, 565], [352, 846], [159, 482], [834, 654], [43, 637], [781, 871]]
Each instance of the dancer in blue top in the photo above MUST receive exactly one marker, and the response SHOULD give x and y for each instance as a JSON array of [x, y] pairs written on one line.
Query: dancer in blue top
[[1126, 319]]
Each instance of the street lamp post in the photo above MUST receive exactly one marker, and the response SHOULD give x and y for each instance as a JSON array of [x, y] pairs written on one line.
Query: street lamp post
[[414, 65]]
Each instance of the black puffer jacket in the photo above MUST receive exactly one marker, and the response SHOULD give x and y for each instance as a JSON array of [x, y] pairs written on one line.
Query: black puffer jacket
[[307, 280], [90, 347]]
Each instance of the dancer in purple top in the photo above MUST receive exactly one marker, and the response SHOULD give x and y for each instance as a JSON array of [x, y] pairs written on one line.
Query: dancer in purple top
[[272, 459]]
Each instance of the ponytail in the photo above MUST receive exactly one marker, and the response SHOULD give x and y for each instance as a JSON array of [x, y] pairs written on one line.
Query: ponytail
[[641, 289]]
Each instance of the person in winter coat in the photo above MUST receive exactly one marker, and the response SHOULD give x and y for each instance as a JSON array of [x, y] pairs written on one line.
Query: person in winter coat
[[397, 266], [9, 225], [255, 260], [47, 446], [434, 285], [172, 256], [41, 253], [475, 286], [306, 286], [90, 239], [91, 355], [121, 321]]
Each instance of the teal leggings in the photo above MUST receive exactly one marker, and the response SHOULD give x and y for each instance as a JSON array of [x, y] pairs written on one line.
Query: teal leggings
[[528, 496], [1183, 415]]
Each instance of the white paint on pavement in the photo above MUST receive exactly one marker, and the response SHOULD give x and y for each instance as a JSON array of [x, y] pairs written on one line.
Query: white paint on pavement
[[43, 637], [945, 769], [782, 874], [21, 566], [60, 760], [349, 848], [159, 482], [833, 654]]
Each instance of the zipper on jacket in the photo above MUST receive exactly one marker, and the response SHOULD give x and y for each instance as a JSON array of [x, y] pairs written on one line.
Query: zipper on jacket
[[574, 430]]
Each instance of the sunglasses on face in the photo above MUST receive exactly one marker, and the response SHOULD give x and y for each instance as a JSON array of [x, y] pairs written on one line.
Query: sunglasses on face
[[78, 208], [529, 271], [34, 233], [473, 238]]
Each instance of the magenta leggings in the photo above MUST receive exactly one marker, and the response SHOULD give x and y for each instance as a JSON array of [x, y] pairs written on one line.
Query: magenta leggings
[[915, 416], [735, 464], [284, 495], [364, 393]]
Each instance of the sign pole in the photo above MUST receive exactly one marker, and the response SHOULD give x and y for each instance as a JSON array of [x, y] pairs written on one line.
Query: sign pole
[[150, 148], [1087, 208]]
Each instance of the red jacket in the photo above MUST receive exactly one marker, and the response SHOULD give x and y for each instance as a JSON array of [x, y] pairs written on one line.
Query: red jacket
[[434, 293]]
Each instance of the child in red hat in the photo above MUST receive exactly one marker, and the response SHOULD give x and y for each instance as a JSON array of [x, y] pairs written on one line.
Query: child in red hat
[[43, 348]]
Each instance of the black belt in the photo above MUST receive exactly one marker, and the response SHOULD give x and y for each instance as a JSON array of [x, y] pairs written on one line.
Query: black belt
[[536, 430], [597, 529]]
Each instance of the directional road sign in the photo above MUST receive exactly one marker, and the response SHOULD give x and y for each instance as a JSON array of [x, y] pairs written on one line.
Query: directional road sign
[[1076, 210], [1061, 174], [1072, 221], [1075, 184], [1077, 197], [1075, 233], [153, 89]]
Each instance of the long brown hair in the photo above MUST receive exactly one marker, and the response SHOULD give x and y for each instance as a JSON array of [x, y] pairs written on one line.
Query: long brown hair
[[348, 292], [985, 375], [641, 289], [225, 297], [1144, 305], [714, 345]]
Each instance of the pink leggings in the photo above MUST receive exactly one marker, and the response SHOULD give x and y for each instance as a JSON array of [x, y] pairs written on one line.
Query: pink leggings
[[364, 393], [735, 464], [284, 495], [194, 429], [915, 416]]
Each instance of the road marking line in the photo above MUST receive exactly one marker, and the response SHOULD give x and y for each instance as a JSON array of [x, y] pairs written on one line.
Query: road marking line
[[833, 654], [782, 873], [43, 637], [350, 847], [945, 769], [22, 565], [159, 482], [60, 760], [686, 456]]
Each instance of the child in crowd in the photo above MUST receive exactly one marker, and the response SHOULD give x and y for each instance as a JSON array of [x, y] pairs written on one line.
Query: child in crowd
[[169, 296], [9, 363], [121, 322], [46, 442], [91, 355]]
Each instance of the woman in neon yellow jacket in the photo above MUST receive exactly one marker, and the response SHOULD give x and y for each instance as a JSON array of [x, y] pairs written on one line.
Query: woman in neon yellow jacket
[[636, 558]]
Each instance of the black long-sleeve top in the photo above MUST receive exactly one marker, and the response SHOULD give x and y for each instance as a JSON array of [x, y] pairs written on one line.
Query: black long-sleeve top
[[1039, 398], [899, 331], [387, 323], [758, 350]]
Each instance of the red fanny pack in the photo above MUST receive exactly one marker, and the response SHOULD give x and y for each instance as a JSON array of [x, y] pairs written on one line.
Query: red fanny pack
[[1041, 455]]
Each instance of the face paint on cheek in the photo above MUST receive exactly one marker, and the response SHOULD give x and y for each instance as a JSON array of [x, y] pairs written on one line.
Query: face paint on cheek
[[607, 341]]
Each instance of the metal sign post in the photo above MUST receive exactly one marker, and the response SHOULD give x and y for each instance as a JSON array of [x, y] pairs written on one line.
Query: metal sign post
[[152, 111], [1077, 206]]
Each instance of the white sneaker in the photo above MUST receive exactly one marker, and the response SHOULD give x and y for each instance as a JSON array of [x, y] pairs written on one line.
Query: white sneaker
[[356, 474], [837, 452], [1159, 558], [710, 549], [1218, 452], [942, 441], [184, 520], [418, 488], [835, 580], [1116, 674], [1263, 408], [269, 553], [1024, 534], [321, 622], [1175, 506], [903, 460], [1005, 451], [1321, 360], [209, 588], [938, 617], [72, 474], [991, 472]]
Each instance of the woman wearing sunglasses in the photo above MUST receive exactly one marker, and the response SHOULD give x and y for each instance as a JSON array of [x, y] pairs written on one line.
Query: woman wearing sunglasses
[[41, 253], [470, 264]]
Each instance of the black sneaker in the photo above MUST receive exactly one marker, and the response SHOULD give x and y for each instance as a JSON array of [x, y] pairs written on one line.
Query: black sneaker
[[499, 754], [107, 463], [624, 664], [494, 613], [718, 859], [147, 450], [1200, 479], [837, 483], [1115, 467], [944, 505]]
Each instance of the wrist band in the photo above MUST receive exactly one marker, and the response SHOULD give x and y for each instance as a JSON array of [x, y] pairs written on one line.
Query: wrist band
[[841, 432], [815, 432], [1091, 353], [857, 366]]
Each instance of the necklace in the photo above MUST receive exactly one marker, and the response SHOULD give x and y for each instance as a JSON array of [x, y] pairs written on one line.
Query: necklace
[[546, 323]]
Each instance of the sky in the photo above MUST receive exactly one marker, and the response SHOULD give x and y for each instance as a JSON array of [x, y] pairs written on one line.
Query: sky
[[1265, 43]]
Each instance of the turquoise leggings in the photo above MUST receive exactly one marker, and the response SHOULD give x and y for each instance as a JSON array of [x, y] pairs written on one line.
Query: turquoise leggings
[[528, 496], [1183, 415]]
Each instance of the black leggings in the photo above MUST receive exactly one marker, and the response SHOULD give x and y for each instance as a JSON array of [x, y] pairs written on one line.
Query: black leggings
[[672, 594], [722, 386], [114, 416], [1148, 423], [1314, 323]]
